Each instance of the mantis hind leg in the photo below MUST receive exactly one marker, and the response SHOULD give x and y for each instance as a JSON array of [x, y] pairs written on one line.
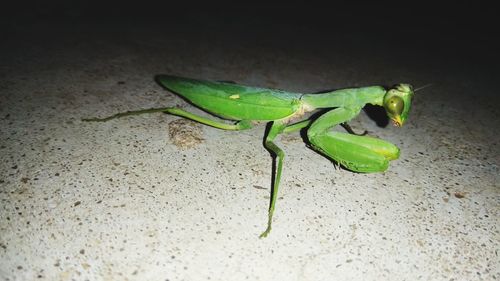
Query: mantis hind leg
[[276, 129], [241, 125]]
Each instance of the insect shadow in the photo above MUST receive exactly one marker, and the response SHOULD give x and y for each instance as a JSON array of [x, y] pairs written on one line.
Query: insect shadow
[[377, 114]]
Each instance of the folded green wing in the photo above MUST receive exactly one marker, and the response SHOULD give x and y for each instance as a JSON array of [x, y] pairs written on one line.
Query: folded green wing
[[233, 101]]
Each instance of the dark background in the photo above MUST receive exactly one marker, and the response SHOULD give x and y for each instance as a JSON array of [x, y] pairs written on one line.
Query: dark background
[[458, 36], [465, 28]]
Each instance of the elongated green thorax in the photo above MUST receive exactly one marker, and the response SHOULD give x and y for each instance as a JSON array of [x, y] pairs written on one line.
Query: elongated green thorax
[[396, 101], [348, 98]]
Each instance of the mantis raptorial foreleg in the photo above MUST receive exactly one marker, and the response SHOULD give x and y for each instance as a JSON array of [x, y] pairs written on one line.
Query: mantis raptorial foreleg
[[357, 153], [241, 125]]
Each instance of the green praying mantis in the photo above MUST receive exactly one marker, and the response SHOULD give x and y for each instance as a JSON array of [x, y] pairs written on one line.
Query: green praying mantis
[[285, 111]]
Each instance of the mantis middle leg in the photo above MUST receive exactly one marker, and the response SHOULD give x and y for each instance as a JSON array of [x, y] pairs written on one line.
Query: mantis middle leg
[[276, 128], [305, 123]]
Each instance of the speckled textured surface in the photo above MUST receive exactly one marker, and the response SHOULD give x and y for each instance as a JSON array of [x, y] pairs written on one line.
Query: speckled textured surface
[[120, 201]]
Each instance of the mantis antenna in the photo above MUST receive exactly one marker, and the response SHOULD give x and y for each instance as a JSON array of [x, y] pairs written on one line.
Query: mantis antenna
[[423, 87]]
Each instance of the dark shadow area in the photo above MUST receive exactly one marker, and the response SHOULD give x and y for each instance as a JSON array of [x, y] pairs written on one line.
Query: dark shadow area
[[377, 114], [423, 34], [274, 164]]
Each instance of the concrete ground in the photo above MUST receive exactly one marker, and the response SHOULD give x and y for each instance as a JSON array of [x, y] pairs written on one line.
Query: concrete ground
[[135, 199]]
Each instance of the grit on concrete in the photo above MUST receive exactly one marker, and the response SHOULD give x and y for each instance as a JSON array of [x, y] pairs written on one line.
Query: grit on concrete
[[121, 201]]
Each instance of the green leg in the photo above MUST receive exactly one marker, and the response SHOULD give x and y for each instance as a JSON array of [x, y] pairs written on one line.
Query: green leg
[[297, 126], [356, 153], [241, 125], [331, 119], [348, 128], [276, 129], [305, 123]]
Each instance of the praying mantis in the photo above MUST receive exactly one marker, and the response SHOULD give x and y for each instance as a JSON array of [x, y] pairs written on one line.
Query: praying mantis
[[285, 111]]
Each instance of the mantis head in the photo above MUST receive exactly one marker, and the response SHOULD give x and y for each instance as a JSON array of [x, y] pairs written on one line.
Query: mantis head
[[397, 103]]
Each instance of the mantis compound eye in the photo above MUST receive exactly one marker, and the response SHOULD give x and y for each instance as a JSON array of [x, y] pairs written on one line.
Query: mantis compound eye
[[394, 105]]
